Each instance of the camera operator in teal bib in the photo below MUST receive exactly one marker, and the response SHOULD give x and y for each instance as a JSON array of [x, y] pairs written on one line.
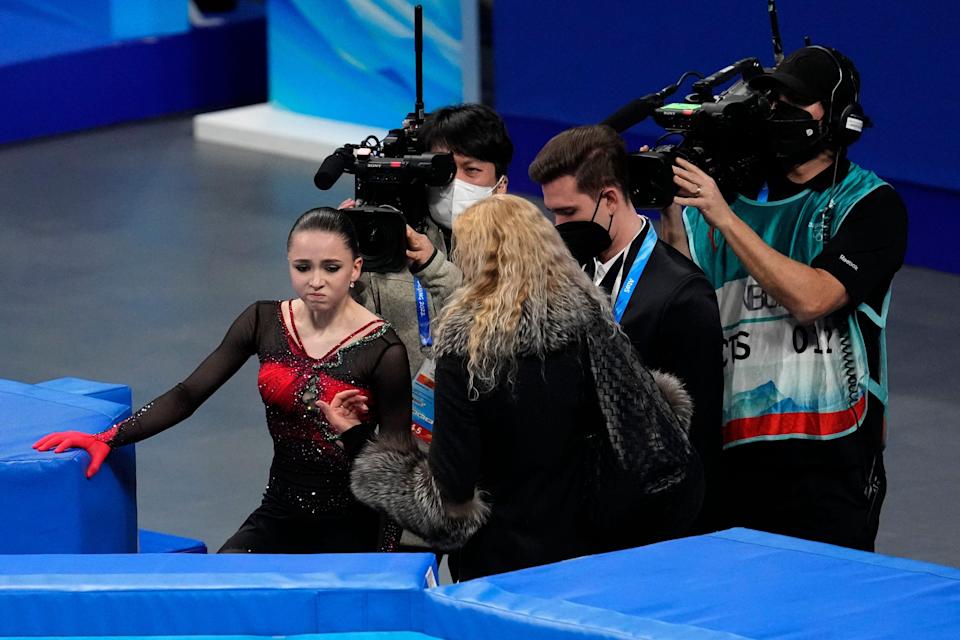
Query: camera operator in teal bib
[[802, 271]]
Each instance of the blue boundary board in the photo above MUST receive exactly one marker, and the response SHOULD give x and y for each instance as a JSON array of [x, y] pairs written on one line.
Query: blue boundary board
[[360, 635], [194, 594], [731, 584]]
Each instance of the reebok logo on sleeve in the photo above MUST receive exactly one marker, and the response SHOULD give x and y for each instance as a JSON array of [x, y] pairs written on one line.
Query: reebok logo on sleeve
[[850, 263]]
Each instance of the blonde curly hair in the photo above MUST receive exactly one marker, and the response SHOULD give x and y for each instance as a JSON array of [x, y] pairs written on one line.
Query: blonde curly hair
[[517, 273]]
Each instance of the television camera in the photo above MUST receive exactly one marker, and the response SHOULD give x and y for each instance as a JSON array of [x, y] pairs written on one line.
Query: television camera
[[391, 179], [724, 134]]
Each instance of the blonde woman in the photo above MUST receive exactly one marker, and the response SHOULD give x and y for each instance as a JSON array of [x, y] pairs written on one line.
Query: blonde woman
[[509, 479]]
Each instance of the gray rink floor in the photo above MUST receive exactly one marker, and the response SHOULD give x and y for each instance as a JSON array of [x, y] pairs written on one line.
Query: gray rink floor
[[126, 253]]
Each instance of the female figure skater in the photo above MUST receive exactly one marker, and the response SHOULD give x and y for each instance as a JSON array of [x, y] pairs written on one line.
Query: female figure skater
[[319, 352]]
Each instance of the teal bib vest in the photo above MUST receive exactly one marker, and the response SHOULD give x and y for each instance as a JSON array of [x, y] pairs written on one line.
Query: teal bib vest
[[783, 379]]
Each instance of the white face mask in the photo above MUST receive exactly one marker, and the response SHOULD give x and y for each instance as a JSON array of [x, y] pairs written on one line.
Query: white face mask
[[448, 202]]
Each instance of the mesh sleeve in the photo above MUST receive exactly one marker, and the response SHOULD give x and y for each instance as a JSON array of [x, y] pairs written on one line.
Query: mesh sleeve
[[390, 385], [183, 399]]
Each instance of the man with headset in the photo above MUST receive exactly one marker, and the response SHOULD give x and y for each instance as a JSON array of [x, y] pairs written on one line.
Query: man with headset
[[802, 271]]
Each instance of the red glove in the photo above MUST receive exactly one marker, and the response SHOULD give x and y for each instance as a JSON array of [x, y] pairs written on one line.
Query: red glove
[[63, 440]]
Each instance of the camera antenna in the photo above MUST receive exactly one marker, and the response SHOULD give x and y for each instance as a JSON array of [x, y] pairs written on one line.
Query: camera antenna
[[418, 50], [775, 32]]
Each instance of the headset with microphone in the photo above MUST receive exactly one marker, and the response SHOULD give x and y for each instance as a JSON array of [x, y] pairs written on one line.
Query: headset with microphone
[[845, 125], [843, 129]]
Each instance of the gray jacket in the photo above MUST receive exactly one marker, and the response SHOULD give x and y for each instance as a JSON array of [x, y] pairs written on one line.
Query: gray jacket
[[391, 295]]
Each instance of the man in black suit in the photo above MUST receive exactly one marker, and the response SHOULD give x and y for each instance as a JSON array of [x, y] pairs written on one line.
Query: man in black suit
[[662, 300]]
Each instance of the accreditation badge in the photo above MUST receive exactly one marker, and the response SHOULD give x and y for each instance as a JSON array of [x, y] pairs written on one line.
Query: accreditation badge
[[424, 385]]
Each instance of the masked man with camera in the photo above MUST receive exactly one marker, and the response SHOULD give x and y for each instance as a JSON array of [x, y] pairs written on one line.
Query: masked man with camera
[[660, 298], [802, 270], [482, 150]]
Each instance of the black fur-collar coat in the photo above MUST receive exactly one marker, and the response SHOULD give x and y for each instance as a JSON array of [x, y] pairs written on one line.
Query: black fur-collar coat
[[511, 477]]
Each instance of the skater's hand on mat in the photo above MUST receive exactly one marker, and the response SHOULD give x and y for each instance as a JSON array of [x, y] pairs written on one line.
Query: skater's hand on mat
[[63, 440]]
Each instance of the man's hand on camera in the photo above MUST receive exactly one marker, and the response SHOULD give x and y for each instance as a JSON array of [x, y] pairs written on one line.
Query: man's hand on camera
[[349, 203], [419, 248], [699, 190]]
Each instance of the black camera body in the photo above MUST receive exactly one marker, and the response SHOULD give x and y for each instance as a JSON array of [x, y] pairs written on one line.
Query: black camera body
[[396, 172], [392, 180], [723, 135]]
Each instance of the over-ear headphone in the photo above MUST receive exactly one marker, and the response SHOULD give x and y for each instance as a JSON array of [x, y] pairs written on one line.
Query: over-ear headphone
[[845, 123]]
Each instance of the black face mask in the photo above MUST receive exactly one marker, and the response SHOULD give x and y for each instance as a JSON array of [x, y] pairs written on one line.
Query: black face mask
[[795, 137], [585, 238]]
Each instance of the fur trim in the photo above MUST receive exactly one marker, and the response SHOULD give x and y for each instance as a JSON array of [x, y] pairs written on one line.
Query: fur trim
[[393, 476], [569, 314], [675, 393]]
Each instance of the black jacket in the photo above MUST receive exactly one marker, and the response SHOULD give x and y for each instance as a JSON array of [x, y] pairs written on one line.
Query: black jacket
[[509, 481], [524, 447], [674, 324]]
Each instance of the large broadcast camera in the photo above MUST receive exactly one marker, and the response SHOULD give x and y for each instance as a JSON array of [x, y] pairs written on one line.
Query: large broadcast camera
[[724, 134], [392, 178]]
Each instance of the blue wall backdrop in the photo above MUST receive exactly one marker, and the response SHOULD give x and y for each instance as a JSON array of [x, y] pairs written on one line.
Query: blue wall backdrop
[[68, 65], [115, 19], [578, 62], [354, 61]]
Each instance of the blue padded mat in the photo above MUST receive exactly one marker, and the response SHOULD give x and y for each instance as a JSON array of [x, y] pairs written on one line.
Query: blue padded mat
[[362, 635], [733, 584], [47, 505], [194, 594], [28, 409], [119, 393], [157, 542]]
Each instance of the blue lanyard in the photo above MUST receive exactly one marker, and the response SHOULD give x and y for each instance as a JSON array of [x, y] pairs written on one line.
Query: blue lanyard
[[636, 270], [764, 193], [423, 313]]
